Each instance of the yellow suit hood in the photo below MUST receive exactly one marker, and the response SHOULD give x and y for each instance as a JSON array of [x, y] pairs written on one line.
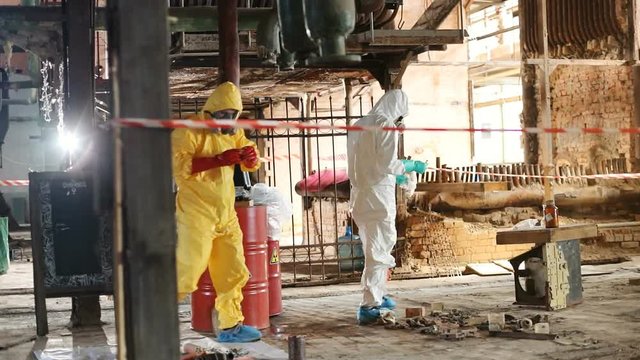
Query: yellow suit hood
[[226, 96]]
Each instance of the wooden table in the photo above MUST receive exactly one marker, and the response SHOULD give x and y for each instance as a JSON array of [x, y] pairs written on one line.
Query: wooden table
[[552, 266]]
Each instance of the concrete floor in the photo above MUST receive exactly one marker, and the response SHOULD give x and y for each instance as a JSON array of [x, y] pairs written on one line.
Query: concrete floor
[[605, 326]]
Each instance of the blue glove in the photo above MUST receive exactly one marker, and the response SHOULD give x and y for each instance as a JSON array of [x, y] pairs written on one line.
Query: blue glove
[[415, 165], [402, 179]]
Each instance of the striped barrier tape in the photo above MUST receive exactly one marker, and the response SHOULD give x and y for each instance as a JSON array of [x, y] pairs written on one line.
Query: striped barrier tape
[[14, 182], [296, 125], [522, 176], [339, 157]]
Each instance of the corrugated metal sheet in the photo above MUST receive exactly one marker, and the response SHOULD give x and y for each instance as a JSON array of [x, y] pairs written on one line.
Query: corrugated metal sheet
[[574, 25]]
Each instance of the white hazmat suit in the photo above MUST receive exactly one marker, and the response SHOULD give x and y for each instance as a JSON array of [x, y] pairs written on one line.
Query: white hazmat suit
[[373, 166]]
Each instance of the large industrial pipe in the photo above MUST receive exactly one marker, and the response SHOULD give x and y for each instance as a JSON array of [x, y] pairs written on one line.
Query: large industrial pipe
[[268, 39], [294, 35], [369, 6], [328, 22]]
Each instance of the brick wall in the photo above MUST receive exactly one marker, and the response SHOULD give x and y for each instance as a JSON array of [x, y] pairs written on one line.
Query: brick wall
[[622, 238], [326, 219], [430, 246], [591, 96]]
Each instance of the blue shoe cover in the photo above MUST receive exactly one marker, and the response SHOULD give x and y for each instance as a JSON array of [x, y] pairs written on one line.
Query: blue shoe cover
[[368, 315], [239, 334], [388, 303]]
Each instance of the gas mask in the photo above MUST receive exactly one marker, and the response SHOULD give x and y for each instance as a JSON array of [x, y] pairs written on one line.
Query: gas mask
[[223, 115]]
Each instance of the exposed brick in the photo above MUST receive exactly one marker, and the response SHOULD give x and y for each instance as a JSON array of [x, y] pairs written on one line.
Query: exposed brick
[[630, 244], [414, 312]]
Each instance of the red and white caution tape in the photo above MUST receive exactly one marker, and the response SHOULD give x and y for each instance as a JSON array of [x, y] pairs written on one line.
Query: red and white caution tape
[[296, 125], [14, 182], [551, 177], [521, 176], [339, 157]]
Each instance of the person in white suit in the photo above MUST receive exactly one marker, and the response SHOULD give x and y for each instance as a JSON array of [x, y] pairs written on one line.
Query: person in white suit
[[374, 170]]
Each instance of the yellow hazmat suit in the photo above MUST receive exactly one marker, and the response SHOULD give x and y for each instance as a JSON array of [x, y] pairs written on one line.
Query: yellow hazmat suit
[[208, 231]]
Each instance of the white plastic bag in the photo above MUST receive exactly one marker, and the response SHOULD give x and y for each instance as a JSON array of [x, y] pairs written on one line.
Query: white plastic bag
[[278, 210], [412, 183], [528, 224]]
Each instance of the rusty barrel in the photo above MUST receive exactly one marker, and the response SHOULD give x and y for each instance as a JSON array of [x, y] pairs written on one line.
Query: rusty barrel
[[275, 281], [255, 306], [202, 304]]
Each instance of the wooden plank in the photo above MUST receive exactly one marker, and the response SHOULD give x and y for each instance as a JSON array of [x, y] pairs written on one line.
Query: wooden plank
[[414, 37], [431, 19], [541, 236], [486, 269], [511, 169], [435, 14], [147, 315], [486, 177], [463, 187]]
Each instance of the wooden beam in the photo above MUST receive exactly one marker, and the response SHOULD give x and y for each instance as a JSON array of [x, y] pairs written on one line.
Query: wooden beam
[[462, 187], [431, 19], [413, 37], [229, 68], [577, 62], [146, 292], [435, 14], [498, 102], [541, 236], [545, 102], [635, 56]]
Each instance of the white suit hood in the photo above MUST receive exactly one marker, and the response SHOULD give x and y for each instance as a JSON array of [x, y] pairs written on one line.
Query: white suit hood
[[373, 156], [392, 105]]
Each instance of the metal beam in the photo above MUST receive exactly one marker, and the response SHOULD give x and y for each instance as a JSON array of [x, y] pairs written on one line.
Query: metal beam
[[146, 292]]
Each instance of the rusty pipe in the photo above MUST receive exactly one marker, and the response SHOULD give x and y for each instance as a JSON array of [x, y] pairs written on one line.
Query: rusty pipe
[[369, 6]]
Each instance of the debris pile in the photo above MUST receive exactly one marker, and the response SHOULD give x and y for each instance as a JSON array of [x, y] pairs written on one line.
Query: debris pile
[[455, 324]]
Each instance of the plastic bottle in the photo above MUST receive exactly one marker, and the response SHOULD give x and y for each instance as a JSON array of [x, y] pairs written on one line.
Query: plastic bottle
[[350, 253]]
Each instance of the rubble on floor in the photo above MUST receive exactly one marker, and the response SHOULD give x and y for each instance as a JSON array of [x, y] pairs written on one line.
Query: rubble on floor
[[455, 324]]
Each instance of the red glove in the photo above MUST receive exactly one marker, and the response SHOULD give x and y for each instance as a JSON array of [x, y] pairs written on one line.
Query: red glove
[[227, 158], [249, 157]]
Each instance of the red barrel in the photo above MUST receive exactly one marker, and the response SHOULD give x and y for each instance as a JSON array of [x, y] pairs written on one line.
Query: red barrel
[[255, 306], [202, 304], [275, 281]]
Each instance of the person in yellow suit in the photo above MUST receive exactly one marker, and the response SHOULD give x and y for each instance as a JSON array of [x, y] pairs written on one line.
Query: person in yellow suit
[[208, 231]]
